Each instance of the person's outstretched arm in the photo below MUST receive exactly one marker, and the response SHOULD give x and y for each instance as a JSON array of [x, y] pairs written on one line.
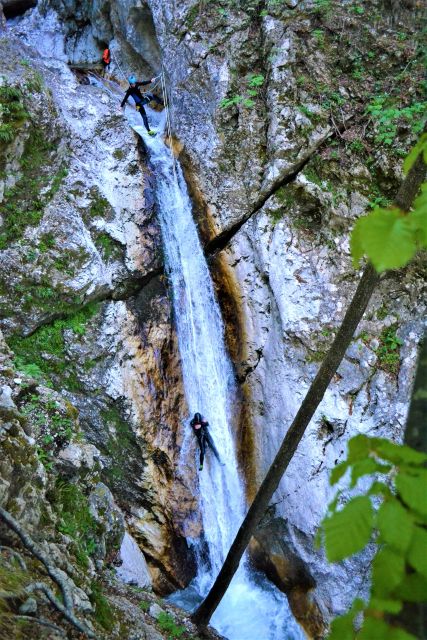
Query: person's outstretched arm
[[125, 99], [144, 82]]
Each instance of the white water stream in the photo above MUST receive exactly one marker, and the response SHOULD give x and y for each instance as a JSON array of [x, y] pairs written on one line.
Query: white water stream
[[252, 607]]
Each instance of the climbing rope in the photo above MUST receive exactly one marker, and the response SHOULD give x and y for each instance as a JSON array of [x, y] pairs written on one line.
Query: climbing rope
[[117, 63], [168, 121], [159, 79]]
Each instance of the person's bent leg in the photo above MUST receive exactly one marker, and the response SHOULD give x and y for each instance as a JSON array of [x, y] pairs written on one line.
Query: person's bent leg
[[202, 446], [144, 117], [212, 446], [157, 100]]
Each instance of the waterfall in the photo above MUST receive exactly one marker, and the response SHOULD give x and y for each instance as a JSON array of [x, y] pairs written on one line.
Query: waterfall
[[252, 607]]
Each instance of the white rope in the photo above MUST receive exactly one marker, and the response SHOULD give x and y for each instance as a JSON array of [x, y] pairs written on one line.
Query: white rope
[[168, 122], [117, 63]]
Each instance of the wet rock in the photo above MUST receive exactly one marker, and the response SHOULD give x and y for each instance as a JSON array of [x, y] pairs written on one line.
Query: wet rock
[[272, 552], [155, 611], [133, 568]]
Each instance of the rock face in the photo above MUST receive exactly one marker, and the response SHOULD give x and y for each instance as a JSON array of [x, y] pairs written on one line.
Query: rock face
[[269, 109], [84, 305]]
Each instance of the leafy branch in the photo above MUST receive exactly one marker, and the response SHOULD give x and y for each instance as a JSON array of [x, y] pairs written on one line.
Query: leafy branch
[[390, 237], [398, 528]]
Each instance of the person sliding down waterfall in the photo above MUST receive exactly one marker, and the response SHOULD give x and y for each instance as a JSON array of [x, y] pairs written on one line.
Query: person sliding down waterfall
[[141, 99], [200, 428]]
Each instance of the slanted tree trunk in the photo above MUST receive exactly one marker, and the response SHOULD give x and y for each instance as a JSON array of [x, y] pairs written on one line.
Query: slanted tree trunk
[[369, 280], [413, 617]]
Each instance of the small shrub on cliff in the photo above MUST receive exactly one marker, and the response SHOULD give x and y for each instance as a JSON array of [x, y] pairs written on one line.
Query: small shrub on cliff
[[12, 112], [169, 626], [75, 520]]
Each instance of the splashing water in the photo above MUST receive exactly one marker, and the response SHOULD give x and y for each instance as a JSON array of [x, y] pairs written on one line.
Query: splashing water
[[252, 607]]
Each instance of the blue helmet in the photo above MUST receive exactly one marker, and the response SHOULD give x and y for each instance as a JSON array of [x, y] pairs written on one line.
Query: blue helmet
[[132, 79]]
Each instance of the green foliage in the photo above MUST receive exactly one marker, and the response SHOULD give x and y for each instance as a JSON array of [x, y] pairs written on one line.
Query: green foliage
[[387, 116], [390, 237], [24, 204], [388, 351], [12, 582], [254, 82], [99, 207], [75, 520], [45, 348], [397, 526], [322, 6], [320, 37], [230, 102], [110, 248], [103, 610], [54, 428], [120, 444], [144, 605], [168, 625], [12, 112]]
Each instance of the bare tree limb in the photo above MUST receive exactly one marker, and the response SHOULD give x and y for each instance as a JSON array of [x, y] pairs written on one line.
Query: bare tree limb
[[67, 608], [29, 544], [16, 555], [69, 615], [44, 623]]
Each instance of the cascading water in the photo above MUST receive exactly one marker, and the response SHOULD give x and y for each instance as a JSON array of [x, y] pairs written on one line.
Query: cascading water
[[252, 607]]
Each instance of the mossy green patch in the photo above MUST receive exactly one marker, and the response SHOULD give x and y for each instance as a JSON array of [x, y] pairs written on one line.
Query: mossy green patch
[[388, 351], [119, 446], [12, 113], [45, 348], [110, 248], [168, 625], [76, 520], [103, 610], [24, 204]]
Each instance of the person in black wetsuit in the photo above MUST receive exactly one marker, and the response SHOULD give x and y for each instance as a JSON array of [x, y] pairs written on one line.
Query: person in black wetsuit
[[200, 429], [140, 99]]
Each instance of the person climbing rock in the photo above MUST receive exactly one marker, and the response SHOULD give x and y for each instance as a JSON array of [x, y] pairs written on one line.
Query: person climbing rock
[[106, 60], [141, 99], [200, 428]]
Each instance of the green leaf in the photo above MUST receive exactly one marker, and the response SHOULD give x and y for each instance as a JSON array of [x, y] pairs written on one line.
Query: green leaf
[[413, 588], [379, 489], [421, 146], [387, 572], [356, 243], [359, 448], [387, 238], [389, 606], [366, 467], [400, 634], [418, 217], [398, 453], [395, 525], [337, 472], [348, 530], [374, 628], [412, 489], [417, 556], [342, 628]]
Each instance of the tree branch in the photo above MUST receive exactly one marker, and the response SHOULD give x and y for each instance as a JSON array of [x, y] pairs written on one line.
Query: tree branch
[[29, 544], [41, 586]]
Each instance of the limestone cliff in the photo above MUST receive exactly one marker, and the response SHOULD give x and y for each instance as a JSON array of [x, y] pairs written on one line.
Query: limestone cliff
[[277, 109]]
